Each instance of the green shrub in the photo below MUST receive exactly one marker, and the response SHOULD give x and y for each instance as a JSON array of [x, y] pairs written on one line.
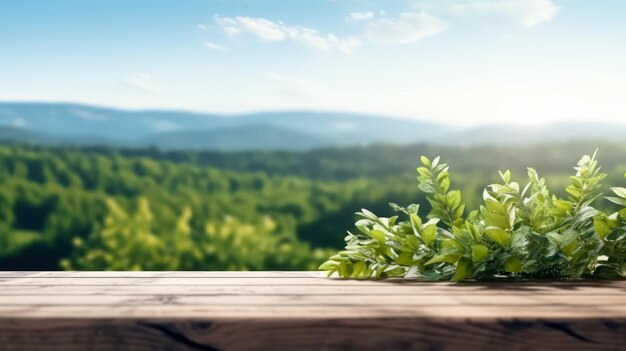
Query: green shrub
[[135, 240], [517, 232]]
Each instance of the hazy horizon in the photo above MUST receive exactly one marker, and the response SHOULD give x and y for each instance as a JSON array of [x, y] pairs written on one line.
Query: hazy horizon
[[536, 124]]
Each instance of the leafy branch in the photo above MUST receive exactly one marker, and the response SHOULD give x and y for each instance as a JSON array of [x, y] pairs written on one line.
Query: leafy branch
[[517, 232]]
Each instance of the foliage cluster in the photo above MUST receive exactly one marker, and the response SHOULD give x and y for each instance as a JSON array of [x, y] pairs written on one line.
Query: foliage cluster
[[86, 209], [132, 241], [518, 232]]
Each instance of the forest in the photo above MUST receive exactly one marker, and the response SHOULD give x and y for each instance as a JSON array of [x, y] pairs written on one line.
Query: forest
[[104, 208]]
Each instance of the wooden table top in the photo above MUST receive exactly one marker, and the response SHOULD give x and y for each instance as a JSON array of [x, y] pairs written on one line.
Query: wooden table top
[[285, 310]]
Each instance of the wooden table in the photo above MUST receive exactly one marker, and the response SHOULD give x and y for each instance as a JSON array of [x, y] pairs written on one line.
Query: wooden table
[[302, 310]]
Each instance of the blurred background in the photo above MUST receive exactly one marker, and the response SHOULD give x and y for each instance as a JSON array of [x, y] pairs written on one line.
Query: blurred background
[[244, 134]]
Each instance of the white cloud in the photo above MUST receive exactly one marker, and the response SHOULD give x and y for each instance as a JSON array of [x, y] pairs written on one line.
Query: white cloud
[[263, 29], [89, 116], [408, 28], [214, 46], [142, 82], [229, 25], [361, 16], [347, 44], [201, 27], [527, 13], [308, 36], [269, 31]]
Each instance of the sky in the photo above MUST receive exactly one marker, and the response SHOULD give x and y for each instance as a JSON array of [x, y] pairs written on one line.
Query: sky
[[458, 62]]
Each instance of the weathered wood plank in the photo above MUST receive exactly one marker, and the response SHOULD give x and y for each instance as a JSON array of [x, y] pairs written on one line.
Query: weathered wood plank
[[129, 280], [338, 289], [320, 334], [302, 310], [512, 301], [309, 312], [163, 281], [159, 274]]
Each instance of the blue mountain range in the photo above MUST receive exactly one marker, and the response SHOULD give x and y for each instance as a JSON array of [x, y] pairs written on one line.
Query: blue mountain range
[[77, 124]]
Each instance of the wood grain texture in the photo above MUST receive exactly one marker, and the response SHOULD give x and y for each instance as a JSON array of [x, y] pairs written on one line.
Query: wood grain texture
[[302, 310]]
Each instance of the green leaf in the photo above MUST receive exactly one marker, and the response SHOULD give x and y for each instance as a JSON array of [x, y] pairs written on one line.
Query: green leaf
[[435, 162], [463, 269], [497, 220], [569, 247], [368, 214], [416, 220], [363, 223], [617, 200], [444, 182], [513, 265], [429, 234], [454, 198], [378, 235], [479, 252], [405, 259], [495, 206], [506, 176], [328, 266], [563, 205], [425, 161], [601, 227], [451, 258], [621, 192], [572, 190], [500, 236], [424, 172], [360, 270], [427, 188]]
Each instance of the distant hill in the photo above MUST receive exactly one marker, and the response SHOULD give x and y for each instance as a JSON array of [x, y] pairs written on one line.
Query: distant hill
[[247, 137], [76, 124], [72, 121], [19, 135], [348, 128]]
